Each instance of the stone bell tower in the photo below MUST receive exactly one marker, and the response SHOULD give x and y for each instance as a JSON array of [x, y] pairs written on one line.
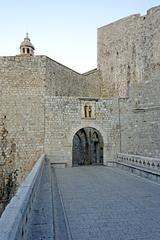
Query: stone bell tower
[[26, 47]]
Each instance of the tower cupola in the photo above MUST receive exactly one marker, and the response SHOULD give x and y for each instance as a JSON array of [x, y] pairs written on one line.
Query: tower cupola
[[26, 47]]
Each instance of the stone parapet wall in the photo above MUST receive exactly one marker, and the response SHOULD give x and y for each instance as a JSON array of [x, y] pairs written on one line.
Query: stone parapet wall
[[140, 161], [15, 219]]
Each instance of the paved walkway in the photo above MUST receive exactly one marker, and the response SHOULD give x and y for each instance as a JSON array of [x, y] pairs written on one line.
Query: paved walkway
[[105, 203], [41, 225]]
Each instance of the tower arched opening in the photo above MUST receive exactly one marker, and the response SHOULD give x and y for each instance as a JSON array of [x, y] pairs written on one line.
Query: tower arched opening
[[87, 147]]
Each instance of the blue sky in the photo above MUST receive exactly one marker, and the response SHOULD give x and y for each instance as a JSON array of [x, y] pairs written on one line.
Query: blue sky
[[64, 30]]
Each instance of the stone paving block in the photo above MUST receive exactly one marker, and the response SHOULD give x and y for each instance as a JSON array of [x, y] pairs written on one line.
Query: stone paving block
[[108, 203]]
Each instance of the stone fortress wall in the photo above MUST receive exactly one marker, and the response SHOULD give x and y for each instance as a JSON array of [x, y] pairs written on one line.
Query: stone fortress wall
[[129, 51], [140, 119], [42, 101], [21, 118], [63, 118], [129, 61], [25, 81]]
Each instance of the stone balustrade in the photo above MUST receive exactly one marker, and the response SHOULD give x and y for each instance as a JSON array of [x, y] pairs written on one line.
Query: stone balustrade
[[140, 161], [15, 219]]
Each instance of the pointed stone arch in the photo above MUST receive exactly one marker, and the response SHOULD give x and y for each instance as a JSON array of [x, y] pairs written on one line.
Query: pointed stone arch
[[87, 147]]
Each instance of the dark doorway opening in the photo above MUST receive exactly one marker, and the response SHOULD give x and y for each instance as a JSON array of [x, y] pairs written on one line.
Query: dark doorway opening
[[87, 147]]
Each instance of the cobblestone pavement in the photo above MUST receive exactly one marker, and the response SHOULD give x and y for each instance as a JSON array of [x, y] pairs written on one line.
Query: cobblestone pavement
[[105, 203]]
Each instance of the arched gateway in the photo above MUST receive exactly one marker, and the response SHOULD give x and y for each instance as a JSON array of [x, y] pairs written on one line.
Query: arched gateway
[[87, 147]]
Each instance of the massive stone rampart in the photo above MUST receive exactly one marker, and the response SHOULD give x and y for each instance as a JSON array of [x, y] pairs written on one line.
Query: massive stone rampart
[[129, 51]]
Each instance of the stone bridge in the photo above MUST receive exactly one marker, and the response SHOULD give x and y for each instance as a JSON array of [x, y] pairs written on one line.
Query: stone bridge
[[87, 202]]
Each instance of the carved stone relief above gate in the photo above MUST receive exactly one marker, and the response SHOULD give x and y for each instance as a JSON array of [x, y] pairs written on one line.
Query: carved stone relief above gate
[[88, 109]]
